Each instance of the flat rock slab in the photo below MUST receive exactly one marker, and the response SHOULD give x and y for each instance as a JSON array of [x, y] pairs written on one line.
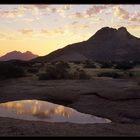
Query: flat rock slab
[[108, 98]]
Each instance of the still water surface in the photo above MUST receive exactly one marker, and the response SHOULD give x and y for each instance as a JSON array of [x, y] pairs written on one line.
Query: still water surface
[[37, 110]]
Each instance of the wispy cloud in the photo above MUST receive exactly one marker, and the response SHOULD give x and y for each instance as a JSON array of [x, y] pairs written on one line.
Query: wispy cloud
[[56, 31], [123, 14], [135, 17], [11, 14], [92, 11], [7, 36], [26, 31]]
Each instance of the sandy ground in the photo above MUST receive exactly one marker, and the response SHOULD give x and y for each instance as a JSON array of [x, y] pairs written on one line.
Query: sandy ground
[[114, 99]]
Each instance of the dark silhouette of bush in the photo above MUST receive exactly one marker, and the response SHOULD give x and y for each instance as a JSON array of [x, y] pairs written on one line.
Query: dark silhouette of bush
[[80, 74], [131, 74], [109, 74], [8, 70], [106, 65], [61, 70], [32, 70], [19, 63], [76, 62], [57, 71], [124, 65], [89, 64]]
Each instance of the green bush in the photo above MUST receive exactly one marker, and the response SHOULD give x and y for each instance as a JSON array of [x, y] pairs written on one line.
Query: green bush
[[109, 74]]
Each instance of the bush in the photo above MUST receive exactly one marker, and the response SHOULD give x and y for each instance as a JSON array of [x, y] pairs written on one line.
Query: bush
[[106, 65], [129, 74], [61, 70], [89, 64], [80, 74], [124, 65], [109, 74], [57, 71], [32, 70], [8, 70]]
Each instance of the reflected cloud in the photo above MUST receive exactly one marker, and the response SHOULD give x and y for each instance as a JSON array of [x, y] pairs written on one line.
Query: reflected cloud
[[45, 111], [36, 108]]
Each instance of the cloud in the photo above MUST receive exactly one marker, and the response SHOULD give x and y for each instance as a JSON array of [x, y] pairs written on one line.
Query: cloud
[[36, 10], [95, 10], [66, 7], [79, 15], [134, 27], [135, 17], [26, 31], [74, 22], [5, 36], [11, 14], [92, 11], [77, 26], [62, 11], [41, 6], [56, 31], [121, 13]]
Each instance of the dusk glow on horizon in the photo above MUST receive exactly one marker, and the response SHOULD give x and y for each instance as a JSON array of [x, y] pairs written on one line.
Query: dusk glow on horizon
[[42, 29]]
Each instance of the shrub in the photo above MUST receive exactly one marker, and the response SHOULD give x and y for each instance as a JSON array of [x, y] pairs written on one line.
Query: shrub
[[32, 70], [129, 74], [76, 62], [109, 74], [80, 74], [124, 65], [89, 64], [106, 65], [61, 70], [56, 71], [8, 70]]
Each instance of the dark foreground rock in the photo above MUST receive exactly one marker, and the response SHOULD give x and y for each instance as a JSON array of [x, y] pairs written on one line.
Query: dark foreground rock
[[10, 127], [114, 99]]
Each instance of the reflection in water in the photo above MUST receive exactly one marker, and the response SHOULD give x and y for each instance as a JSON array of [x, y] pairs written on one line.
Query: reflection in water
[[45, 111]]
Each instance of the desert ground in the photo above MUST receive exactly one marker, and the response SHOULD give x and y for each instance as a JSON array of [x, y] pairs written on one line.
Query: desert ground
[[115, 99]]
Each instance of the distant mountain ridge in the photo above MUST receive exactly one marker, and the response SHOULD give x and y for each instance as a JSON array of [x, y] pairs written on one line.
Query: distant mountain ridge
[[17, 55], [107, 44]]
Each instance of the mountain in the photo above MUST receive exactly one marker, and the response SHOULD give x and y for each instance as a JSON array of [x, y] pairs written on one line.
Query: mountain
[[18, 55], [107, 44]]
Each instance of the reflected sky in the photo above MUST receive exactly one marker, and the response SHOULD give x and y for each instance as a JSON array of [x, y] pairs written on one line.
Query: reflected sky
[[37, 110]]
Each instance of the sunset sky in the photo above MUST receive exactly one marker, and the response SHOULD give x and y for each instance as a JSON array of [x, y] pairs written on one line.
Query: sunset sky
[[45, 28]]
